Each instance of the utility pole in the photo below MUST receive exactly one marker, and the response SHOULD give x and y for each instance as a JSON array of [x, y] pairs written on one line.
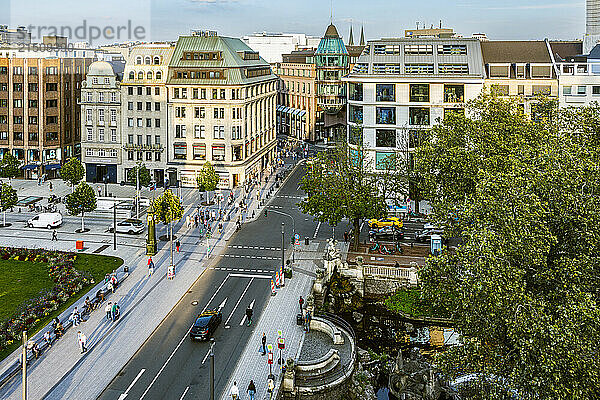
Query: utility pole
[[212, 369], [137, 191], [114, 226], [171, 226], [24, 365], [282, 247]]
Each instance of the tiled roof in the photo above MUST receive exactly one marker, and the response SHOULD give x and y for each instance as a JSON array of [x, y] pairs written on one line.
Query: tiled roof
[[515, 51], [565, 50]]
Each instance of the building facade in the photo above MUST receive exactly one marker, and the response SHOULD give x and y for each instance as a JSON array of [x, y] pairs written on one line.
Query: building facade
[[101, 123], [272, 46], [144, 110], [221, 108], [39, 110], [400, 87]]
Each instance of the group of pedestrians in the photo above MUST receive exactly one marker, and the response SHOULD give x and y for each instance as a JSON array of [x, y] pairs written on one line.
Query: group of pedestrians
[[235, 392], [112, 311]]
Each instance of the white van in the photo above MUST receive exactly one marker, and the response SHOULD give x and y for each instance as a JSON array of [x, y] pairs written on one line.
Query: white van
[[45, 220]]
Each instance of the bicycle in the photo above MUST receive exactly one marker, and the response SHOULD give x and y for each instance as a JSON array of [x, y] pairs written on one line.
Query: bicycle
[[375, 247]]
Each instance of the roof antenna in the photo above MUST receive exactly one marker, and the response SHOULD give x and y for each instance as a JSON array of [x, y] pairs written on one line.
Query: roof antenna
[[331, 14]]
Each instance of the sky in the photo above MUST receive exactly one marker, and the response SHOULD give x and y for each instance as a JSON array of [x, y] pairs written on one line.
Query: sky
[[167, 19]]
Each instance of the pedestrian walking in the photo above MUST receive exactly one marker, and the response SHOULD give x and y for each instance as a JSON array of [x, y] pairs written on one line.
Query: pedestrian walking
[[33, 347], [270, 387], [50, 185], [249, 313], [82, 340], [108, 310], [301, 303], [115, 312], [150, 266], [54, 236], [234, 392], [106, 278], [75, 317], [177, 244], [48, 339], [99, 191], [251, 389], [110, 286], [170, 272], [263, 347]]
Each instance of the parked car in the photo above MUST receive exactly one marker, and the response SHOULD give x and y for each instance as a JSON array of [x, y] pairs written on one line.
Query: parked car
[[428, 230], [389, 221], [45, 220], [205, 325], [130, 226], [391, 232]]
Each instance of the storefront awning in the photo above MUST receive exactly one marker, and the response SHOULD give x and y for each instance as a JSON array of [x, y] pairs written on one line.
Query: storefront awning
[[50, 167], [279, 107], [285, 109], [302, 113], [296, 112], [29, 167], [289, 110]]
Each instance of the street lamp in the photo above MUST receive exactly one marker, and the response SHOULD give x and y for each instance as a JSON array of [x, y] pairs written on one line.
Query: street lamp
[[293, 227], [212, 369], [105, 179], [282, 247]]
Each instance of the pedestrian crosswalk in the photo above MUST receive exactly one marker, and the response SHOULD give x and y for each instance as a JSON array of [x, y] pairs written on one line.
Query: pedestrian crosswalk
[[249, 256], [283, 196], [255, 248], [263, 271]]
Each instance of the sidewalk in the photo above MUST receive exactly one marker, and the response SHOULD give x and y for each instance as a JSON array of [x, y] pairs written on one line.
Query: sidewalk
[[279, 314], [64, 373]]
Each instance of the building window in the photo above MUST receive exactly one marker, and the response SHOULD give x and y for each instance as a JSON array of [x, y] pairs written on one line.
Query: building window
[[419, 93], [355, 135], [385, 92], [501, 90], [180, 131], [499, 71], [543, 90], [355, 91], [452, 49], [219, 113], [418, 115], [520, 71], [90, 135], [595, 89], [113, 115], [236, 133], [139, 106], [130, 155], [541, 71], [454, 93], [130, 122], [384, 160], [390, 69], [418, 69], [101, 134], [385, 138], [157, 122], [419, 49], [139, 90], [180, 151], [581, 89], [218, 152], [180, 112], [157, 106], [355, 114], [148, 122], [521, 90], [567, 90], [386, 115], [199, 112], [218, 132], [199, 131], [113, 135], [456, 69], [199, 151], [113, 153], [416, 138], [236, 153], [89, 152], [386, 49], [148, 106], [140, 123], [130, 105]]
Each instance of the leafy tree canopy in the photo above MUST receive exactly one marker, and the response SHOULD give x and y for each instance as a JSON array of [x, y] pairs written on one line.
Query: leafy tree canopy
[[207, 179], [523, 285], [82, 200], [9, 166], [168, 207], [8, 197], [72, 172], [144, 175]]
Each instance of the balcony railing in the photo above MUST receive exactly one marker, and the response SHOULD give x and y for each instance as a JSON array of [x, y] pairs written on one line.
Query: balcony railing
[[143, 147]]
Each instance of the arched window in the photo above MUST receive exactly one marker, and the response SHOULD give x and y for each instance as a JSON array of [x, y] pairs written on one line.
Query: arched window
[[149, 75], [131, 75], [140, 75], [148, 60], [158, 75], [138, 60], [156, 60]]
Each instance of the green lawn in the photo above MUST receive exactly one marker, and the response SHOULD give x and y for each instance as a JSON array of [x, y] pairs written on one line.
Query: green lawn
[[22, 280]]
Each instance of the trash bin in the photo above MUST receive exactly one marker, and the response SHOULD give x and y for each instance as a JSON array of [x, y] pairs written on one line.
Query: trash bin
[[306, 240], [79, 244], [299, 319]]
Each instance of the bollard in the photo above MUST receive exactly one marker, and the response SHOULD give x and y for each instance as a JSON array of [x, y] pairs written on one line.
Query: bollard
[[306, 240]]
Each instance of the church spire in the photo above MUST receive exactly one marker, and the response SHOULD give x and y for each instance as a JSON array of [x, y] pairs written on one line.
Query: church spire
[[351, 40], [362, 35]]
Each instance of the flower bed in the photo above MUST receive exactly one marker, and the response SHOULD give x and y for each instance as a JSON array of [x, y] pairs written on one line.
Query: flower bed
[[68, 281]]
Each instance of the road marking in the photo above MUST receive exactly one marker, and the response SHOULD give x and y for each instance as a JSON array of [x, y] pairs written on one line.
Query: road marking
[[317, 230], [251, 276], [238, 303], [126, 392], [222, 304], [252, 308], [180, 342], [206, 357], [184, 393]]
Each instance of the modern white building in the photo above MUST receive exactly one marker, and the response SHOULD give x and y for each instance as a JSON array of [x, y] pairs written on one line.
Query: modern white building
[[400, 87], [144, 109], [101, 123], [272, 46]]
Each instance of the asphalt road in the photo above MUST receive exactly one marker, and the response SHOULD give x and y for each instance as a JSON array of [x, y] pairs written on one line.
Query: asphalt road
[[171, 366]]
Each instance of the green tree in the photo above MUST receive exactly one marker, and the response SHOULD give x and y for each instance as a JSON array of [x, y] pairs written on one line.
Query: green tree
[[72, 172], [523, 285], [339, 184], [207, 179], [144, 175], [168, 208], [81, 201], [9, 166], [8, 199]]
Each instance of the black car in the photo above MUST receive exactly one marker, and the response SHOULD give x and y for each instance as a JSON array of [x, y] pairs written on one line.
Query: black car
[[205, 325], [387, 232], [425, 234]]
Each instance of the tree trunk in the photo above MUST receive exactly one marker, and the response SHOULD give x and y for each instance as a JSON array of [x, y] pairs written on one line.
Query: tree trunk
[[4, 218], [82, 226], [356, 234]]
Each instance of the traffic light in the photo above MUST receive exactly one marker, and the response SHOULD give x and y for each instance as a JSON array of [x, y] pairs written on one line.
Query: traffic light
[[266, 214]]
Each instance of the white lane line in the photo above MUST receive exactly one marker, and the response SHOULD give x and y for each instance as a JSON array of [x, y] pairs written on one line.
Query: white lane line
[[180, 342], [206, 357], [317, 230], [126, 392], [238, 302], [251, 307], [184, 393], [250, 276]]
